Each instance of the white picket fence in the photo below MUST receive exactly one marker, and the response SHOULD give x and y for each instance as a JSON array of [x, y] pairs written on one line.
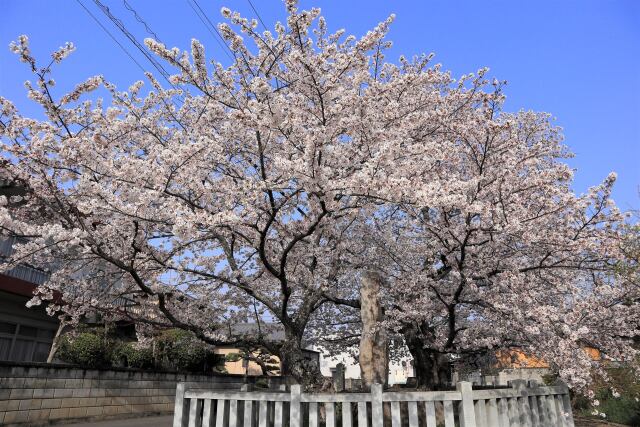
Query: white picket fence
[[517, 406]]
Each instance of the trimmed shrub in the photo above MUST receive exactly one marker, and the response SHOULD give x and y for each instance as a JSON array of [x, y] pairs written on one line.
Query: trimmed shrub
[[173, 349], [86, 349], [129, 355], [183, 351]]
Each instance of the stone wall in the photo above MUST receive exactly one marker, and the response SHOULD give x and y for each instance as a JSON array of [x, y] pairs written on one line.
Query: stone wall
[[507, 375], [527, 374], [38, 394]]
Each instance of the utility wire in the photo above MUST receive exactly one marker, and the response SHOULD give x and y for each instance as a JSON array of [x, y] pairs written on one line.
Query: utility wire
[[257, 14], [140, 20], [118, 23], [120, 44], [149, 31], [111, 35], [217, 36], [215, 28], [266, 29]]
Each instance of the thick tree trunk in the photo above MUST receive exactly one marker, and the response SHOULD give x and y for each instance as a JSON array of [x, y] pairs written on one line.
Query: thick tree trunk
[[374, 345], [291, 357], [293, 363], [431, 368]]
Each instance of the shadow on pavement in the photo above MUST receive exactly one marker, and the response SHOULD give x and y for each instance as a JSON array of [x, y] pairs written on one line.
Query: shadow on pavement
[[164, 421]]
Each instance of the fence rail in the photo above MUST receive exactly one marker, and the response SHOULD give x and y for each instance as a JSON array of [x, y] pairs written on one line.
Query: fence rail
[[518, 406]]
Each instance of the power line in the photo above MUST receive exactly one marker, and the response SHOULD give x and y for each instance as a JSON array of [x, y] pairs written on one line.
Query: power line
[[118, 23], [111, 35], [140, 20], [266, 29], [257, 14], [219, 39], [122, 47], [150, 32], [215, 28]]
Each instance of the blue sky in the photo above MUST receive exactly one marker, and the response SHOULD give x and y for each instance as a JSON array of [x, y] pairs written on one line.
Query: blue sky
[[577, 59]]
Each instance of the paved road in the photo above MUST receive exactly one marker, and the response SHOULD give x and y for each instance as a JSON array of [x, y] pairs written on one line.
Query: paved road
[[164, 421]]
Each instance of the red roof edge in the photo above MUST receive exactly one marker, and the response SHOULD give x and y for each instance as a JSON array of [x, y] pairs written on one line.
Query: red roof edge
[[21, 287]]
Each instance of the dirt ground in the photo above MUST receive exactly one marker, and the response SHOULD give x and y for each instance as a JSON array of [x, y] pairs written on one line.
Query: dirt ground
[[584, 422]]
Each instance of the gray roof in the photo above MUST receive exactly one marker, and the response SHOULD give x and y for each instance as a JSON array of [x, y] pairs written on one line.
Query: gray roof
[[270, 331]]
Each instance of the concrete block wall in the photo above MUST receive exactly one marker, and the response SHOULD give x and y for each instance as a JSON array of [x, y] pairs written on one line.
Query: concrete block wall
[[39, 394]]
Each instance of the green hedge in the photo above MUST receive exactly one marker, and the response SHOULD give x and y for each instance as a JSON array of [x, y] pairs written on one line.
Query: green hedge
[[173, 349], [183, 351], [129, 355], [623, 409], [86, 349]]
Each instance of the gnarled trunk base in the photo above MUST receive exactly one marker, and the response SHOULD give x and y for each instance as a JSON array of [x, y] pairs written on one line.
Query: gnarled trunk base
[[301, 369], [432, 369]]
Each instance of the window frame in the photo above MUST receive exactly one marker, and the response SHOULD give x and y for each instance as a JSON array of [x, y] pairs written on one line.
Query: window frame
[[16, 335]]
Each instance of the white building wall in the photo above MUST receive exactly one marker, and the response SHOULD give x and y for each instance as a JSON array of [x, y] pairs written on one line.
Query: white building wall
[[399, 371]]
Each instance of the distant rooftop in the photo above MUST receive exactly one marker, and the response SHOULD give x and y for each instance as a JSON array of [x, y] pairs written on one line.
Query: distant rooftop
[[22, 271], [270, 331]]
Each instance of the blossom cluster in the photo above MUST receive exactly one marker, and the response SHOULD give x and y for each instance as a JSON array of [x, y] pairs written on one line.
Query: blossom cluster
[[265, 189]]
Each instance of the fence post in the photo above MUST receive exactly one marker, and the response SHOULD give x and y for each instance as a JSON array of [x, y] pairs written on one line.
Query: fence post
[[377, 416], [180, 408], [294, 411], [565, 404], [502, 378], [466, 414], [525, 413]]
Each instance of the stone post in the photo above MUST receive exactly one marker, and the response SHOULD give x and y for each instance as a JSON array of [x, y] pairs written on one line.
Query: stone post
[[181, 407], [374, 347], [377, 416], [338, 374], [467, 413], [524, 406], [294, 411]]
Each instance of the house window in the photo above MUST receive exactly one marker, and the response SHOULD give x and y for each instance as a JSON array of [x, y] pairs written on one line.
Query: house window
[[23, 343]]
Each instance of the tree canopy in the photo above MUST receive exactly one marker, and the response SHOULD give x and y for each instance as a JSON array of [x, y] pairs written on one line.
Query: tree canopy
[[266, 189]]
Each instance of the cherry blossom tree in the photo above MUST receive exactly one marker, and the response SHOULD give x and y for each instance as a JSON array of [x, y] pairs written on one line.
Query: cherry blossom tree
[[267, 188], [510, 257], [226, 196], [629, 269]]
